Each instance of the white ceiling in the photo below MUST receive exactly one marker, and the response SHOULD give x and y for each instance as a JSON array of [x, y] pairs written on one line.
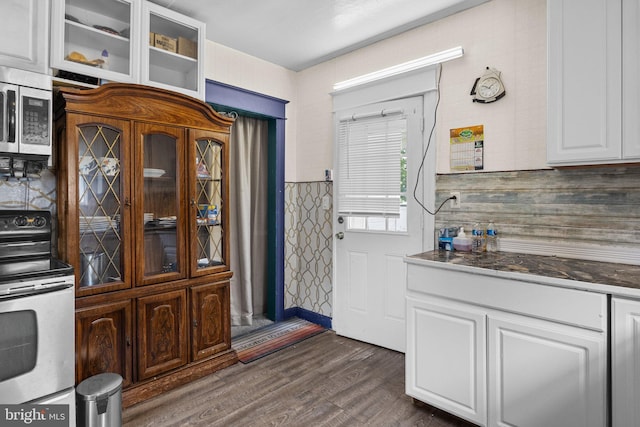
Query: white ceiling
[[297, 34]]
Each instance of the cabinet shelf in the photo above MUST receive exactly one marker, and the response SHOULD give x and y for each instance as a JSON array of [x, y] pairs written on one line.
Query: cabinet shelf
[[90, 42], [174, 60], [151, 228], [160, 178], [208, 224], [83, 27]]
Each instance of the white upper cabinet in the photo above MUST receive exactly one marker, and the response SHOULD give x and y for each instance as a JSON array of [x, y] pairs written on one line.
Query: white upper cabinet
[[631, 78], [82, 30], [131, 41], [584, 104], [25, 32], [174, 60]]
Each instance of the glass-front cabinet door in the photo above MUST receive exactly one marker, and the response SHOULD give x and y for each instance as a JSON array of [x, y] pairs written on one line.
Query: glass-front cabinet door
[[96, 38], [209, 191], [103, 214], [159, 196]]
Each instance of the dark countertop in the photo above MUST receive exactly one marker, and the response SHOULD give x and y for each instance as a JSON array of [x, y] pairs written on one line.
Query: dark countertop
[[606, 277]]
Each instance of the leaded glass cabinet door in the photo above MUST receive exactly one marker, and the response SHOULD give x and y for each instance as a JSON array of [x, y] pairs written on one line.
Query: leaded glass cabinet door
[[159, 203], [103, 205], [210, 190]]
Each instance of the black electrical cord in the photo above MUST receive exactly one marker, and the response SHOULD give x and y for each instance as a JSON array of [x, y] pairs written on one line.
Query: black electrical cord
[[424, 157]]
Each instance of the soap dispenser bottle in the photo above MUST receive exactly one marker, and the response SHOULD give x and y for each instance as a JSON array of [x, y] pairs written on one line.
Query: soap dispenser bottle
[[461, 242]]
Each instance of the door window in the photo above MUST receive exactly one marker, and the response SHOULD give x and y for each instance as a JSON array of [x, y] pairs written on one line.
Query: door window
[[372, 167]]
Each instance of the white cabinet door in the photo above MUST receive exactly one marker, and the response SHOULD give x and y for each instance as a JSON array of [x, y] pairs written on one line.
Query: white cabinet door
[[82, 31], [625, 355], [631, 82], [25, 35], [445, 358], [168, 69], [584, 82], [545, 374]]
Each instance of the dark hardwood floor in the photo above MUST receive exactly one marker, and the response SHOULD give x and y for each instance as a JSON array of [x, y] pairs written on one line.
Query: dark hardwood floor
[[326, 380]]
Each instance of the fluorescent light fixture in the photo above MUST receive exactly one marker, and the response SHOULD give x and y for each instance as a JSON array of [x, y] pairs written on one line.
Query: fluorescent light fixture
[[436, 58]]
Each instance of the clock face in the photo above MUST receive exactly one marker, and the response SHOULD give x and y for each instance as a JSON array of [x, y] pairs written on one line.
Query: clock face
[[489, 87]]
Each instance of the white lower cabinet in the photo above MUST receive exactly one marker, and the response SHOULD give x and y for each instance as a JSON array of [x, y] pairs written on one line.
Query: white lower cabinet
[[543, 373], [445, 357], [625, 363], [501, 352]]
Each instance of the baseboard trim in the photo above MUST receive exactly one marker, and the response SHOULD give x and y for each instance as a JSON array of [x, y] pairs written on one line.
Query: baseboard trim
[[308, 315], [617, 254]]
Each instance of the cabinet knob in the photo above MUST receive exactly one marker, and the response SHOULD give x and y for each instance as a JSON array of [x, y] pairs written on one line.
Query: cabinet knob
[[195, 323], [127, 202]]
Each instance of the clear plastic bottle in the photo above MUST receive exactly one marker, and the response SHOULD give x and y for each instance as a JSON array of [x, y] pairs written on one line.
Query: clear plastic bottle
[[477, 238], [492, 237], [105, 59]]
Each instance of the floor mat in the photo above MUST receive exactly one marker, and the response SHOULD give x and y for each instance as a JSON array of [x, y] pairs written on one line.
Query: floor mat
[[272, 338]]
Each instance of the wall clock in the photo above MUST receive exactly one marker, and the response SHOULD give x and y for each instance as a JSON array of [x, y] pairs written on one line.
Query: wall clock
[[488, 87]]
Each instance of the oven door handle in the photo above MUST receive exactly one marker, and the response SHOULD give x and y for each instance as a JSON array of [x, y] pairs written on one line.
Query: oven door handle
[[36, 288], [21, 244]]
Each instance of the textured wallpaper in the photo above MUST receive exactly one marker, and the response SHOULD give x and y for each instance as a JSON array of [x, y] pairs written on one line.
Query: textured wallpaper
[[308, 247]]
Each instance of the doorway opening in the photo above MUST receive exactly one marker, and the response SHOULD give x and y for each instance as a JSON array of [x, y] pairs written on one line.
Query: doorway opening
[[226, 98], [248, 178]]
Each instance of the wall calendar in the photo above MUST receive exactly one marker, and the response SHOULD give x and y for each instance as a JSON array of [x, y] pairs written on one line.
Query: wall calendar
[[467, 148]]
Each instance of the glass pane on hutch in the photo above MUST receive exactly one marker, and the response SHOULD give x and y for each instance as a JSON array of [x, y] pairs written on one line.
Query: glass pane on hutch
[[100, 204], [209, 185], [161, 204]]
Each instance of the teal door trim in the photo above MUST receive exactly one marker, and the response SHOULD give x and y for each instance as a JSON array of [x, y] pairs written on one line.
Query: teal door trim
[[223, 97]]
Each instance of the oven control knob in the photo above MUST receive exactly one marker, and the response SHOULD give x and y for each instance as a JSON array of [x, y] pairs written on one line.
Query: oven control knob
[[39, 221], [21, 221]]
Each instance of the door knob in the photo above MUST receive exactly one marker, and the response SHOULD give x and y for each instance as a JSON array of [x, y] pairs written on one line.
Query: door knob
[[340, 235]]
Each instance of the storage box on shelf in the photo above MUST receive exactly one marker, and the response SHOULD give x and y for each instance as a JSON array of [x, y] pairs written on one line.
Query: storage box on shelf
[[106, 40]]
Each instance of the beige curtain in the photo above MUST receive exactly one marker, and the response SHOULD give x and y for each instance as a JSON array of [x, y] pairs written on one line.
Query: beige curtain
[[248, 218]]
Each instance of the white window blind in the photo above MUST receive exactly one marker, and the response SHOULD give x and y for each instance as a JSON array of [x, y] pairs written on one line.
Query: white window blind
[[369, 163]]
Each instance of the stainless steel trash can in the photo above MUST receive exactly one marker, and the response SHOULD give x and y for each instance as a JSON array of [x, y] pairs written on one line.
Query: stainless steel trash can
[[99, 401]]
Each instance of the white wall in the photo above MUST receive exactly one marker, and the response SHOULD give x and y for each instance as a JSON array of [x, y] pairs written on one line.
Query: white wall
[[238, 69], [509, 35]]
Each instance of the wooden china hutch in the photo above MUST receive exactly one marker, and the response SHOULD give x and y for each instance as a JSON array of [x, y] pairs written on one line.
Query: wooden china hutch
[[142, 196]]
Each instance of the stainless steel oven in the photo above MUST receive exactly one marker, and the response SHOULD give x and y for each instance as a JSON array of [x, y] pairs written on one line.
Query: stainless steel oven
[[36, 314], [25, 112]]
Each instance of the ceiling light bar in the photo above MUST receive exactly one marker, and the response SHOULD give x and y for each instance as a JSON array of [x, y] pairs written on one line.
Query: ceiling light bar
[[436, 58]]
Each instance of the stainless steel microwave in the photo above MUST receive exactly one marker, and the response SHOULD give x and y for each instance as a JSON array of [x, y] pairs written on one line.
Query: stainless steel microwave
[[25, 112]]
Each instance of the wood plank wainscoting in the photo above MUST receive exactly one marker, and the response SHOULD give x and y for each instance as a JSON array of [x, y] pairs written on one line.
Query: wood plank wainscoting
[[326, 380]]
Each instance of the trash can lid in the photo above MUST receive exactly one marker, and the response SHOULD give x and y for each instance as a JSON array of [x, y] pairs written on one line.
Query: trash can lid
[[97, 386]]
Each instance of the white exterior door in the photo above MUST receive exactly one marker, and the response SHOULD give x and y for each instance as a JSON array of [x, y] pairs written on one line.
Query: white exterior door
[[369, 272]]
